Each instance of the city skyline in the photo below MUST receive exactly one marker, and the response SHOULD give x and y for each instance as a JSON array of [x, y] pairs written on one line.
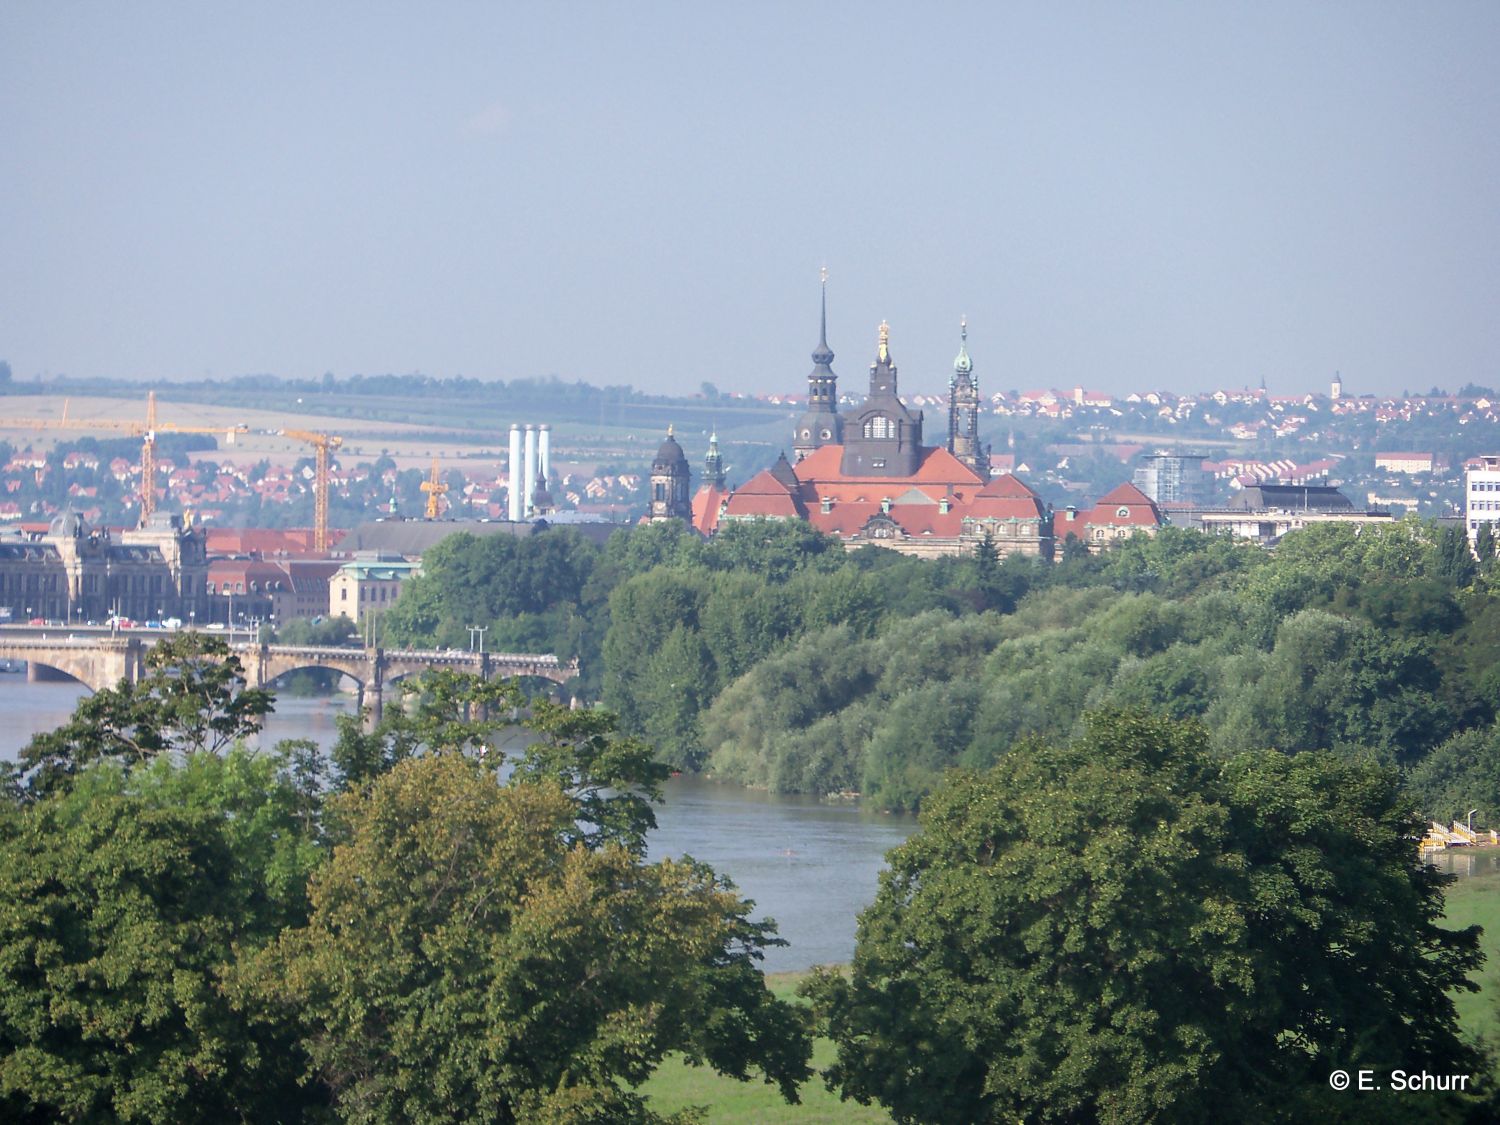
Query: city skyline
[[1166, 198]]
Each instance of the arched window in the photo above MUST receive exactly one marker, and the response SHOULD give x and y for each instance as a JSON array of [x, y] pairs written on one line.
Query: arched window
[[880, 427]]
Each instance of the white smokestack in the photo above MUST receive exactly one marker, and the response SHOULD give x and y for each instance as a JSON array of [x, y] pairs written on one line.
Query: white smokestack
[[544, 454], [515, 508], [530, 484]]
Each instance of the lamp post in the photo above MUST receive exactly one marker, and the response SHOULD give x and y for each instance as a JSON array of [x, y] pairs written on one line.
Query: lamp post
[[1471, 819], [481, 630]]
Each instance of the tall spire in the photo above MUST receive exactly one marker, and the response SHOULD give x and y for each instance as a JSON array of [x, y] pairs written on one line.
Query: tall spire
[[822, 355], [963, 409], [963, 365], [821, 425]]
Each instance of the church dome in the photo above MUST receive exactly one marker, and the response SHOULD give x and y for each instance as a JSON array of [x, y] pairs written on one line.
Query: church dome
[[669, 455], [68, 523]]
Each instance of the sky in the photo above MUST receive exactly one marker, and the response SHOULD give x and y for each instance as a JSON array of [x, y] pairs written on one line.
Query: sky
[[1180, 196]]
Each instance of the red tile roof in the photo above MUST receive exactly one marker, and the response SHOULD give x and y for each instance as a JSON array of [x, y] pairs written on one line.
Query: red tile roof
[[1139, 509], [706, 504]]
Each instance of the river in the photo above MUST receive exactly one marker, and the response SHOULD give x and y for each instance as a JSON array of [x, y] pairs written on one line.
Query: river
[[811, 866]]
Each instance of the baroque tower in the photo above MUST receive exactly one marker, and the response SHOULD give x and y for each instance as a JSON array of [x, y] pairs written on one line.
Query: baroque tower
[[821, 425], [885, 438], [963, 409], [713, 463], [669, 482]]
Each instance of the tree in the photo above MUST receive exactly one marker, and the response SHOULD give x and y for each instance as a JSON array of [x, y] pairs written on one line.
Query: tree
[[469, 958], [192, 699], [1455, 561], [127, 897], [1127, 929], [1485, 546]]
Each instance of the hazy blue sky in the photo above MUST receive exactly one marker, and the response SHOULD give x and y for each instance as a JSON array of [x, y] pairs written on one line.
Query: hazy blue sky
[[1121, 195]]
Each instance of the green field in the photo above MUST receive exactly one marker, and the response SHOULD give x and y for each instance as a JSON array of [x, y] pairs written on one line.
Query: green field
[[676, 1086], [1470, 900]]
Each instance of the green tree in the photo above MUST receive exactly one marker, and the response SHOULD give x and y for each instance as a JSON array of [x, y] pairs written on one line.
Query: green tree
[[1455, 561], [192, 699], [1485, 546], [128, 897], [1125, 929], [467, 958]]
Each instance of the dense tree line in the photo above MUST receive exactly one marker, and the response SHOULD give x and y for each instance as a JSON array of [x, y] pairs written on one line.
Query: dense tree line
[[771, 657]]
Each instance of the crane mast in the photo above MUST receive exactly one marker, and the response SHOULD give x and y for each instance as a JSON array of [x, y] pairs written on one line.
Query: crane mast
[[321, 444], [147, 431], [434, 489]]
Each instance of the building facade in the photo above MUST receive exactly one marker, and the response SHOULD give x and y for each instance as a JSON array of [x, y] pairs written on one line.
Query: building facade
[[670, 478], [1482, 496], [74, 572], [368, 585]]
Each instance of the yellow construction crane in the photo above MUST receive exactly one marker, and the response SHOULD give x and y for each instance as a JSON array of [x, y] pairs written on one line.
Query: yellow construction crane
[[321, 444], [146, 430], [434, 489]]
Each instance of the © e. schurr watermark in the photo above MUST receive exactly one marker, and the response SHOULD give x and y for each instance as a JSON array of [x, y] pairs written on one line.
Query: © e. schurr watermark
[[1398, 1080]]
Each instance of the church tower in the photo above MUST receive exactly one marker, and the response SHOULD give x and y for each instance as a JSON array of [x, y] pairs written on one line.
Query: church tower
[[884, 437], [713, 463], [821, 425], [669, 482], [963, 409]]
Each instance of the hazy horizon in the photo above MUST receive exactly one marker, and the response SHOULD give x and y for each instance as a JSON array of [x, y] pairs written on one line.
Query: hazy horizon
[[1162, 196]]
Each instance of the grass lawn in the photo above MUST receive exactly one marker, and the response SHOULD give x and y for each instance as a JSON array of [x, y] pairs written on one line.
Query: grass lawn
[[1470, 900], [676, 1086]]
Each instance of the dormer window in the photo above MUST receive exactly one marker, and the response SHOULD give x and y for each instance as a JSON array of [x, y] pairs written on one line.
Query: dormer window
[[1123, 513], [880, 427]]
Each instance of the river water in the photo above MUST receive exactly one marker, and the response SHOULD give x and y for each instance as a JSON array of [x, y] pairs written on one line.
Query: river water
[[810, 866]]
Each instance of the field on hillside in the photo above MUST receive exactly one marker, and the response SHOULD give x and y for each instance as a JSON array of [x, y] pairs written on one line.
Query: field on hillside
[[471, 436]]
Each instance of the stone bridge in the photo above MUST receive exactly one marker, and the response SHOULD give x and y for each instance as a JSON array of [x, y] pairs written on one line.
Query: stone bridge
[[102, 661]]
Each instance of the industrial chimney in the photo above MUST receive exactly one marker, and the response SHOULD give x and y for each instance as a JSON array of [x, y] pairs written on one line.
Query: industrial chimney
[[516, 506]]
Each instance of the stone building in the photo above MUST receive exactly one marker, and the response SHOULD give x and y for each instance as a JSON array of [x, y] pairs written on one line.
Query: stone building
[[867, 478], [670, 479], [74, 572], [368, 584]]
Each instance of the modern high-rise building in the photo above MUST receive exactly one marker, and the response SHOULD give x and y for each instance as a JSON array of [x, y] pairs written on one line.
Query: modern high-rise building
[[1482, 495]]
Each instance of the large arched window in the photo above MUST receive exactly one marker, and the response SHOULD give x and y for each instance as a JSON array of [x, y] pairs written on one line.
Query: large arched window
[[880, 427]]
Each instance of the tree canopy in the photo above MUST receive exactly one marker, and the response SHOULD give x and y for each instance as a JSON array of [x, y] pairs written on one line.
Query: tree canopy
[[1127, 928]]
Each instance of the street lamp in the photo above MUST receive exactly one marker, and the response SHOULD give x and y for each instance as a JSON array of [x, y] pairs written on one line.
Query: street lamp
[[1471, 819]]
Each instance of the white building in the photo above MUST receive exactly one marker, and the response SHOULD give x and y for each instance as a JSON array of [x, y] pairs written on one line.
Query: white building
[[1482, 495]]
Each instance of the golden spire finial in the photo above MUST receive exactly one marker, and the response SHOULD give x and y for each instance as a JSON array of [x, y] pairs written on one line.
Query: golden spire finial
[[823, 275], [669, 429], [885, 340]]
